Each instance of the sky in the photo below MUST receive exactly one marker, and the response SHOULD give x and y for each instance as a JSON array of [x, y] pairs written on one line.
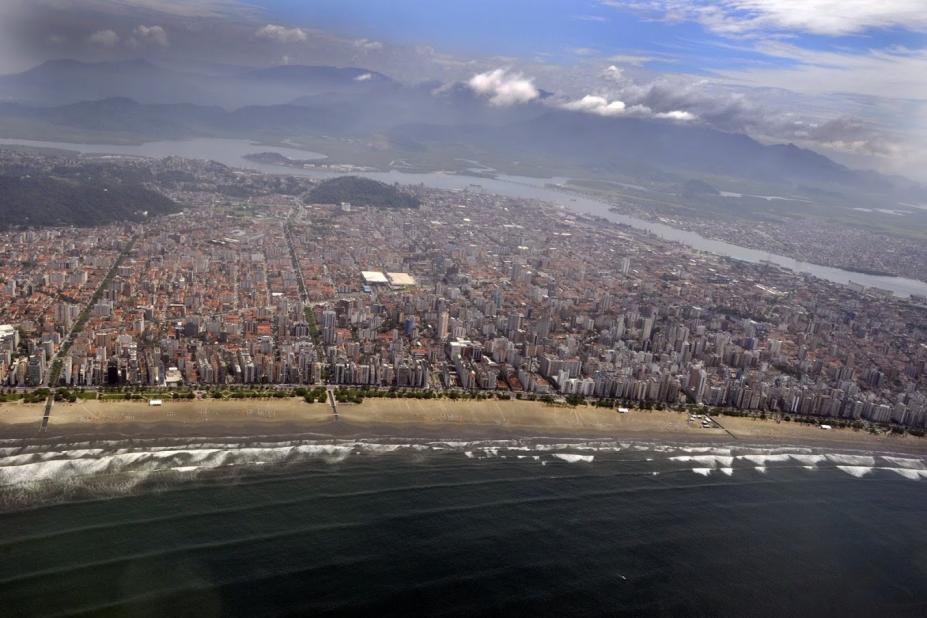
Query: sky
[[844, 77]]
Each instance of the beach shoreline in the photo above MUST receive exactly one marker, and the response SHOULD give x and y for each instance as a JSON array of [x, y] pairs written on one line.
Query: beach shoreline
[[415, 419]]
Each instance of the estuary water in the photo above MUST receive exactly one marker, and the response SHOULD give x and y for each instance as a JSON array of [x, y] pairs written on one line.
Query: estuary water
[[232, 152], [219, 527]]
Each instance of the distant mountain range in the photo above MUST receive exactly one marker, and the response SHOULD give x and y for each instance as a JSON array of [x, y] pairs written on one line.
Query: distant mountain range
[[140, 101], [59, 82]]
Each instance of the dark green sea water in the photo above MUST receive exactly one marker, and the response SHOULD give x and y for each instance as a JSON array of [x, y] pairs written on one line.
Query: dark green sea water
[[228, 529]]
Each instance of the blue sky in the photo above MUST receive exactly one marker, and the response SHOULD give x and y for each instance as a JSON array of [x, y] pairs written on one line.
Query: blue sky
[[558, 28], [845, 77], [518, 28]]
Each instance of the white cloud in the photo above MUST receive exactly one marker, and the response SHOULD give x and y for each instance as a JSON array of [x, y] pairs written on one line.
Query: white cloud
[[179, 8], [638, 60], [368, 45], [601, 106], [897, 73], [676, 114], [613, 73], [282, 34], [593, 104], [104, 38], [152, 34], [504, 88], [364, 77], [826, 17]]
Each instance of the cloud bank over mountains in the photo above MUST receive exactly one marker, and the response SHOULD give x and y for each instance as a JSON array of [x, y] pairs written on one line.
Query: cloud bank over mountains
[[778, 70], [504, 88]]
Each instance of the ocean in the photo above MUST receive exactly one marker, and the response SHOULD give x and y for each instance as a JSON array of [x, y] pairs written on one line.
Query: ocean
[[226, 527]]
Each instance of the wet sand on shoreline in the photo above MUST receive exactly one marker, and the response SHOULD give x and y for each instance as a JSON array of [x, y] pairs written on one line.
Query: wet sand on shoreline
[[414, 418]]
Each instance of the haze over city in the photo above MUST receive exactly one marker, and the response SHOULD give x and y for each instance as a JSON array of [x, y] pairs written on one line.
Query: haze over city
[[548, 307]]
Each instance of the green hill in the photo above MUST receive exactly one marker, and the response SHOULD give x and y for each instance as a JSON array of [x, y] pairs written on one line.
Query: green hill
[[360, 192], [43, 200]]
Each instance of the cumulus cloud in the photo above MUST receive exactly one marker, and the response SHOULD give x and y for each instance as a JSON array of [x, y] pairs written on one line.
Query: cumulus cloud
[[368, 45], [363, 77], [104, 38], [770, 117], [151, 34], [593, 104], [601, 106], [504, 88], [613, 73], [676, 114], [282, 34]]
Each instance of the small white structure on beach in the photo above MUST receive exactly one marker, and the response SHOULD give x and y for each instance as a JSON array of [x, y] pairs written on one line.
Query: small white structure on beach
[[154, 402]]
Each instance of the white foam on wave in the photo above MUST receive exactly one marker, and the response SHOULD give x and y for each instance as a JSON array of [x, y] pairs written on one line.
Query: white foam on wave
[[35, 456], [727, 471], [908, 473], [857, 471], [187, 468], [579, 446], [574, 458], [141, 462], [452, 444], [760, 469], [381, 448], [705, 460], [702, 471], [762, 460], [903, 462], [712, 450], [808, 460], [851, 460]]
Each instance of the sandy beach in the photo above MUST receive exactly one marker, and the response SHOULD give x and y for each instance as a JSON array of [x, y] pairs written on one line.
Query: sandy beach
[[413, 418]]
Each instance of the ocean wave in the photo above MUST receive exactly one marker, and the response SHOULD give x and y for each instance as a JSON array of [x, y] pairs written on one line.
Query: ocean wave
[[857, 471], [705, 460], [903, 462], [762, 460], [808, 460], [851, 460], [573, 458], [122, 465], [711, 450], [909, 473]]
